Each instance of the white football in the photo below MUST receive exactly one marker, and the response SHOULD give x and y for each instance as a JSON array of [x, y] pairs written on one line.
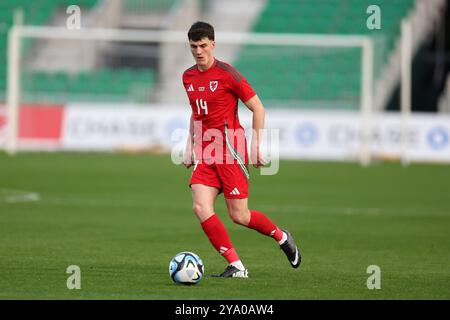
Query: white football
[[186, 268]]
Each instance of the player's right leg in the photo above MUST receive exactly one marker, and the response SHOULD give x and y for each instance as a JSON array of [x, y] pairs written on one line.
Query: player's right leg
[[203, 198]]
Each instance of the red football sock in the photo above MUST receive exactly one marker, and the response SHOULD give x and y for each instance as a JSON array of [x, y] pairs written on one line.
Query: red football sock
[[218, 236], [262, 224]]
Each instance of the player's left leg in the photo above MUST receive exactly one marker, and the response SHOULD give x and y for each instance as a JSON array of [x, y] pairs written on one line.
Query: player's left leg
[[256, 220], [235, 190]]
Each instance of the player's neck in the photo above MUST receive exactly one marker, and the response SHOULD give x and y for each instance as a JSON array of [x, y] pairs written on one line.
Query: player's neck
[[208, 66]]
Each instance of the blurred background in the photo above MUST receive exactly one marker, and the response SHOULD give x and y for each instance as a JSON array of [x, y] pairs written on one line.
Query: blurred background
[[132, 92]]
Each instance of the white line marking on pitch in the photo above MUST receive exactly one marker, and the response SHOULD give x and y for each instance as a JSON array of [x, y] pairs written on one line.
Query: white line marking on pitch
[[15, 196]]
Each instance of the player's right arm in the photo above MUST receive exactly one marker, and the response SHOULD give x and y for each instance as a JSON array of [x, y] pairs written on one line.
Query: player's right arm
[[188, 159]]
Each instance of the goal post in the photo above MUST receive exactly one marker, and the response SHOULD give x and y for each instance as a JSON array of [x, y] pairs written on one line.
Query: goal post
[[323, 42], [405, 87], [13, 90]]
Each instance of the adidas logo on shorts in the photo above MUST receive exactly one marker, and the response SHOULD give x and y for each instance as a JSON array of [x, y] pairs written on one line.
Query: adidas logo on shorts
[[235, 192]]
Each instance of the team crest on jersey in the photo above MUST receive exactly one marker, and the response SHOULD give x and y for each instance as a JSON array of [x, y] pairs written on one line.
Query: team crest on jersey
[[213, 85]]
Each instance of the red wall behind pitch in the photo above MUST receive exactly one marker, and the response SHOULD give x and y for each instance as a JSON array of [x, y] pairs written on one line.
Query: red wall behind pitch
[[41, 122]]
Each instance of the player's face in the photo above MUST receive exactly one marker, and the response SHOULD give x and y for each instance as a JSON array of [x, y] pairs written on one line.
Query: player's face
[[202, 51]]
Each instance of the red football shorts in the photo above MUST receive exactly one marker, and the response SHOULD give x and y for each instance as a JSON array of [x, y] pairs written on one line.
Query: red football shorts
[[231, 179]]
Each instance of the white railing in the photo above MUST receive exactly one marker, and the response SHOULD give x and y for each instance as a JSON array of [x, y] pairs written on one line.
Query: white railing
[[444, 100], [422, 18]]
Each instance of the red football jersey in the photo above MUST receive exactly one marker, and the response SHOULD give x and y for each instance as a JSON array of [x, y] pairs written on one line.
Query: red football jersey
[[213, 95]]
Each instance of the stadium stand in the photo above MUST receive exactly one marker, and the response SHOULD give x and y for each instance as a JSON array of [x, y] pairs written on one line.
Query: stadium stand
[[101, 84], [320, 75], [290, 77]]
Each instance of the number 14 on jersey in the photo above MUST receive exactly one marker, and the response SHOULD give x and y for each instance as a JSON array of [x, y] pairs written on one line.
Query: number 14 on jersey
[[201, 105]]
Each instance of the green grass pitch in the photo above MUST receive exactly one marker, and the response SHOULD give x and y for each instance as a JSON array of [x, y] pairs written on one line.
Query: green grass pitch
[[121, 218]]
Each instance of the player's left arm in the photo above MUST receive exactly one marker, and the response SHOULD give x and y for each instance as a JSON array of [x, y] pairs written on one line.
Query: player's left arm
[[255, 105]]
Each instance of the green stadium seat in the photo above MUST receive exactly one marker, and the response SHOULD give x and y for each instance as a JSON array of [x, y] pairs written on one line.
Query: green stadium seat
[[99, 85], [316, 75]]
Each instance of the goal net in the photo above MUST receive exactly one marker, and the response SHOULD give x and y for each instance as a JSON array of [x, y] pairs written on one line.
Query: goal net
[[52, 70]]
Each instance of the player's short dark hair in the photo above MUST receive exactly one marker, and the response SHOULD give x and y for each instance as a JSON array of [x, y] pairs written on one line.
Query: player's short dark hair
[[200, 30]]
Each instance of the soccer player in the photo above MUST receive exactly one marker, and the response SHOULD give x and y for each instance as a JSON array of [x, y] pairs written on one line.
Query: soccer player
[[217, 150]]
